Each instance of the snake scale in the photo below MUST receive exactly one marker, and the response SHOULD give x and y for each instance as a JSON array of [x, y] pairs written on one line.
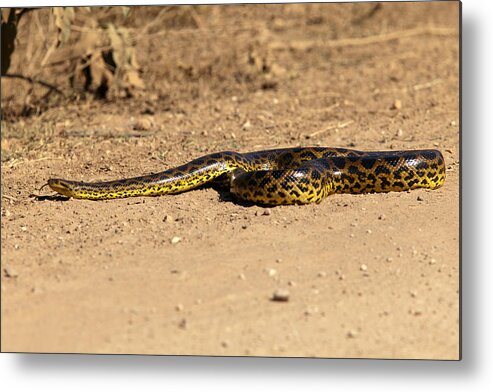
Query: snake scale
[[282, 176]]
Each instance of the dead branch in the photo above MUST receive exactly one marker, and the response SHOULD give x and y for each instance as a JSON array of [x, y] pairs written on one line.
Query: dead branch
[[362, 41], [34, 81]]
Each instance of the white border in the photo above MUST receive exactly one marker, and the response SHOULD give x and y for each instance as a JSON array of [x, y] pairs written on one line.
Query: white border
[[473, 373]]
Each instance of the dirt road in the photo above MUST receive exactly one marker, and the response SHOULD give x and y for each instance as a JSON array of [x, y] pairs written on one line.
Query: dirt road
[[367, 275]]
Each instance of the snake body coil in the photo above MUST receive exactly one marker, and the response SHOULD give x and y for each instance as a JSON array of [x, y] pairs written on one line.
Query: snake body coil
[[284, 176]]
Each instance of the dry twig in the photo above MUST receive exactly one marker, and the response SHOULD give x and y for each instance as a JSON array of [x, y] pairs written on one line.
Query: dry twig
[[334, 126], [373, 39]]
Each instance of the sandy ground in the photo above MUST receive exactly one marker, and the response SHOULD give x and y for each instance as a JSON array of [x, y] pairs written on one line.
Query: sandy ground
[[368, 275]]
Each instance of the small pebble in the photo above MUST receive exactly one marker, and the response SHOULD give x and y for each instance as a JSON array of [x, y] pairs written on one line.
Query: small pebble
[[168, 219], [142, 124], [291, 283], [241, 276], [10, 272], [267, 212], [224, 344], [175, 240], [363, 267], [278, 261], [179, 307], [311, 310], [322, 274], [369, 231], [397, 105], [24, 228], [351, 334], [389, 259], [271, 271], [419, 198], [432, 261], [182, 324], [280, 295], [382, 217], [36, 290]]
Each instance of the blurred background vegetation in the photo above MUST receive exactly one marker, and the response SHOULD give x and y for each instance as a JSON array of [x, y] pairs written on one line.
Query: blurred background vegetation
[[51, 56]]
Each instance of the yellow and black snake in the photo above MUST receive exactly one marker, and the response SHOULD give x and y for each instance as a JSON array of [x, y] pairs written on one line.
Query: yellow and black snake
[[283, 176]]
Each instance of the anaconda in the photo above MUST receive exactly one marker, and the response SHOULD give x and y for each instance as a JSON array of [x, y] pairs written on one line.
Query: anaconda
[[299, 175]]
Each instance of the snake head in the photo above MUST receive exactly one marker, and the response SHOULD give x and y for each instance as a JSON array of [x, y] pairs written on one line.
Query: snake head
[[61, 186]]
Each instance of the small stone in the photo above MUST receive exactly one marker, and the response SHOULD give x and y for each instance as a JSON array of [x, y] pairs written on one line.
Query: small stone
[[291, 283], [179, 307], [354, 224], [271, 271], [399, 132], [267, 212], [369, 231], [24, 228], [175, 240], [182, 324], [311, 310], [244, 226], [397, 105], [432, 261], [168, 219], [10, 272], [142, 124], [351, 334], [36, 290], [280, 295], [419, 198], [389, 259], [241, 276], [453, 123], [322, 274], [278, 261], [382, 217], [247, 125], [224, 344], [363, 267], [413, 293]]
